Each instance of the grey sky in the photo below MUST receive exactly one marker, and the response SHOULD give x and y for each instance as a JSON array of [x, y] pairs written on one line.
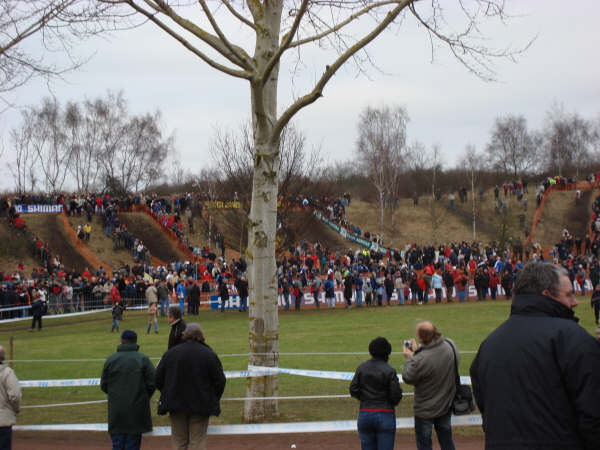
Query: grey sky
[[447, 105]]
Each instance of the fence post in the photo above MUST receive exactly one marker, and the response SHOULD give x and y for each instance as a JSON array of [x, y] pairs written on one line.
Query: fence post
[[11, 351]]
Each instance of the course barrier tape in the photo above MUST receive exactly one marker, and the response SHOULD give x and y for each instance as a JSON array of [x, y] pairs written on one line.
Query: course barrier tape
[[253, 371], [76, 382], [331, 375], [259, 428]]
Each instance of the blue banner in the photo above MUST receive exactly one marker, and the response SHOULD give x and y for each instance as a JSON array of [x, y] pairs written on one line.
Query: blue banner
[[38, 209]]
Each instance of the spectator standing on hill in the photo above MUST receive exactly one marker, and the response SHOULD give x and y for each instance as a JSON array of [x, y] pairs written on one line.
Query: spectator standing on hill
[[177, 326], [547, 394], [87, 230], [128, 379], [191, 381], [430, 367], [10, 401], [375, 384]]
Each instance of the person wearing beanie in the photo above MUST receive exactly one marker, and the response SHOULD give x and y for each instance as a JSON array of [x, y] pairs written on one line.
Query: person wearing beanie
[[128, 379], [375, 384]]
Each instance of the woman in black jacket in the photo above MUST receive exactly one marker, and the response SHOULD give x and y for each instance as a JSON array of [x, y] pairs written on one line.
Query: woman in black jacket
[[375, 384]]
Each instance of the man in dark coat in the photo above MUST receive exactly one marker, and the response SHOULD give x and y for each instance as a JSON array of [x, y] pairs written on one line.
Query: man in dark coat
[[191, 381], [177, 326], [536, 378], [128, 379]]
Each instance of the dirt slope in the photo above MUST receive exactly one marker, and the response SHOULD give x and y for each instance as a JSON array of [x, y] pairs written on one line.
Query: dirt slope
[[50, 229], [560, 211], [14, 248], [101, 245], [144, 228]]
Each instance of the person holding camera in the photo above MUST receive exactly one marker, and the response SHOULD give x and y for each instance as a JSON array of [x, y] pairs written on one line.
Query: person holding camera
[[376, 385], [430, 367]]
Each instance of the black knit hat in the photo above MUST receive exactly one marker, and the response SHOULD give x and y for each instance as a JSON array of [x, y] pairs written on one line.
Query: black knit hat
[[129, 335], [380, 348]]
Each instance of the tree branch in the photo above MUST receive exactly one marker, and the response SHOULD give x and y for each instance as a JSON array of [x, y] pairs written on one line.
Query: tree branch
[[237, 15], [211, 62], [332, 69], [236, 52]]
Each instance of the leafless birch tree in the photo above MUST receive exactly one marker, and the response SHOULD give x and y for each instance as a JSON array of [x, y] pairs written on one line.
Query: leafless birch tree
[[252, 50]]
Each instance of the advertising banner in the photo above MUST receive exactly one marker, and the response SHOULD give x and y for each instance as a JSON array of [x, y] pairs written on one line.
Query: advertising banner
[[39, 209], [349, 235]]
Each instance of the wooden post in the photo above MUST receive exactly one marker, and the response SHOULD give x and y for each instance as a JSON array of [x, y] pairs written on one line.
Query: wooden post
[[11, 351]]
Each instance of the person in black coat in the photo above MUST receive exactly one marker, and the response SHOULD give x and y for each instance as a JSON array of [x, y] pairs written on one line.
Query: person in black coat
[[241, 284], [177, 326], [37, 311], [194, 298], [536, 378], [223, 293], [191, 381]]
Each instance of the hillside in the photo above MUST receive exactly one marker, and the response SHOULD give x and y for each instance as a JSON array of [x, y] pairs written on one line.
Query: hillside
[[561, 211], [143, 227], [49, 228], [14, 248], [101, 245]]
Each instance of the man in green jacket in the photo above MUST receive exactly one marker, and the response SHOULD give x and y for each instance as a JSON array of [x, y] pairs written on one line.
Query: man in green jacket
[[128, 379]]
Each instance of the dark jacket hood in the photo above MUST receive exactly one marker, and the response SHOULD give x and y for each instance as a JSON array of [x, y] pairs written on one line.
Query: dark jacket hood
[[540, 305]]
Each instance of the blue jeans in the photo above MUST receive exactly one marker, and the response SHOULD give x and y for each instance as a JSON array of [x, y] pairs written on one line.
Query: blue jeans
[[377, 430], [164, 305], [243, 304], [400, 293], [461, 295], [443, 429], [286, 300], [358, 301], [181, 305], [124, 441]]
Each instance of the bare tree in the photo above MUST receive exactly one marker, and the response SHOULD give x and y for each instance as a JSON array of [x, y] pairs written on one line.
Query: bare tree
[[381, 148], [570, 141], [97, 140], [252, 49], [512, 147], [22, 168], [474, 163]]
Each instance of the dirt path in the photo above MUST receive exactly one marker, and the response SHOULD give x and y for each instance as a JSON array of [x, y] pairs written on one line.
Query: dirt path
[[313, 441], [143, 227]]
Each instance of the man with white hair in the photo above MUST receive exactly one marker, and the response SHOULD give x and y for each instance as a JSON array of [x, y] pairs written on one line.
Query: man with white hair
[[10, 401]]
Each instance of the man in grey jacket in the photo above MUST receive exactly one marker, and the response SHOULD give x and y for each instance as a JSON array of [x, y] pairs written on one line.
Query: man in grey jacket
[[10, 400], [430, 368]]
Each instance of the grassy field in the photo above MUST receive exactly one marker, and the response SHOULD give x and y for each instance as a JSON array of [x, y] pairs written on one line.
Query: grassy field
[[341, 330]]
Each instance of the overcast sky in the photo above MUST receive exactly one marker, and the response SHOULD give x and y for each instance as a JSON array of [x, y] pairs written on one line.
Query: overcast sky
[[447, 105]]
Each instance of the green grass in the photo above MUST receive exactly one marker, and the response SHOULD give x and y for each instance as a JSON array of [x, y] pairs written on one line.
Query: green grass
[[306, 331]]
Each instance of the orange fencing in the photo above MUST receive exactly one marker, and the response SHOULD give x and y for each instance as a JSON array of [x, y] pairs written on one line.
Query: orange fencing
[[169, 233]]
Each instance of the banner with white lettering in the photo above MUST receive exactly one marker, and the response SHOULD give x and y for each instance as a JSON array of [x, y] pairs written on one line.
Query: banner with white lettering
[[39, 209]]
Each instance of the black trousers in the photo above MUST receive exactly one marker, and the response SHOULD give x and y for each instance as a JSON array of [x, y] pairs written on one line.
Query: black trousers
[[37, 319]]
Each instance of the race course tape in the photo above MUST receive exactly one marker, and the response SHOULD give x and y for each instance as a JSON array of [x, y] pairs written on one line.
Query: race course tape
[[96, 381], [331, 375], [253, 371], [260, 428]]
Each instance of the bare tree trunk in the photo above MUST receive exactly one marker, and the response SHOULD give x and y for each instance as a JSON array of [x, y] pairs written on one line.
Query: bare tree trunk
[[262, 226], [473, 200], [381, 217]]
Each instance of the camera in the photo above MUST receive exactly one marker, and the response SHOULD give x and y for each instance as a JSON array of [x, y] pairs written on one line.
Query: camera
[[407, 344]]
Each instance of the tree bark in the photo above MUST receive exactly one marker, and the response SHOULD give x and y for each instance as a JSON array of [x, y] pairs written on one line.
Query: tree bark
[[262, 224]]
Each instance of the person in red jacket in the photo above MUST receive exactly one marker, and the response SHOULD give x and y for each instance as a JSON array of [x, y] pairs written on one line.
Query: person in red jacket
[[494, 282], [115, 295]]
